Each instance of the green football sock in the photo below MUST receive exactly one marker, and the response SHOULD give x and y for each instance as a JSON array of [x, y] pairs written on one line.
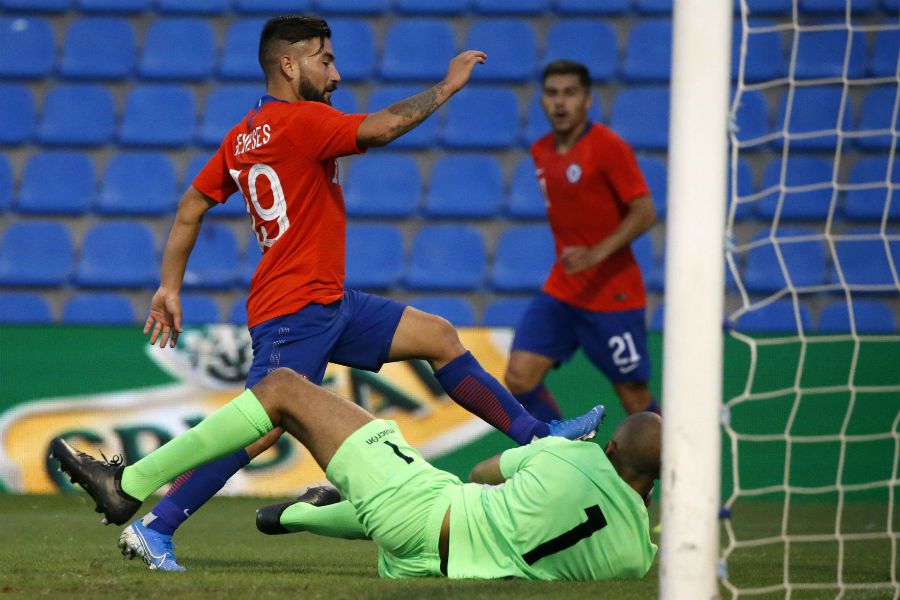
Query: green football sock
[[232, 427], [335, 520]]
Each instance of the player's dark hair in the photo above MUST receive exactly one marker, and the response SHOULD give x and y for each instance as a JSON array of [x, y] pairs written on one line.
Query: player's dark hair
[[290, 29], [568, 67]]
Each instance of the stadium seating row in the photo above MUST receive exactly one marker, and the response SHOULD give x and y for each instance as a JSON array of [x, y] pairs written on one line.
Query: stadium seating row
[[441, 257], [417, 7], [185, 49], [108, 308], [460, 186]]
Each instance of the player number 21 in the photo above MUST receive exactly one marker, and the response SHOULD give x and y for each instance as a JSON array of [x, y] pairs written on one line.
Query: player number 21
[[624, 351], [276, 207]]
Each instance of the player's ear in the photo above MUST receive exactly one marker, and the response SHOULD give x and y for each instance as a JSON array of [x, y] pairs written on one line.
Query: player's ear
[[288, 66], [611, 448], [589, 99]]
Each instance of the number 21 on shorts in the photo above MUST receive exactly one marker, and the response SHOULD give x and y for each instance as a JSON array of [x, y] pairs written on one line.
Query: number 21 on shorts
[[624, 353]]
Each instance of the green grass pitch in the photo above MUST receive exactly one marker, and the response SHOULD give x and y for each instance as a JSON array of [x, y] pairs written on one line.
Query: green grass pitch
[[56, 548]]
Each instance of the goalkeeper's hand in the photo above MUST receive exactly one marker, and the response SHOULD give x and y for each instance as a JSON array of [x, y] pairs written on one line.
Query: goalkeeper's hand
[[164, 318]]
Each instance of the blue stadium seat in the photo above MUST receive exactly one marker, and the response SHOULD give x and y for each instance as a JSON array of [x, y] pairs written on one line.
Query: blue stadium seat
[[641, 116], [114, 6], [77, 115], [344, 99], [874, 114], [386, 185], [238, 312], [27, 48], [183, 48], [417, 49], [272, 7], [252, 256], [869, 317], [536, 124], [455, 309], [752, 116], [658, 318], [138, 183], [821, 54], [482, 117], [447, 257], [804, 260], [6, 183], [423, 136], [890, 4], [863, 260], [765, 55], [358, 7], [36, 253], [510, 7], [36, 5], [158, 115], [779, 316], [653, 6], [430, 7], [213, 262], [465, 186], [239, 53], [654, 171], [766, 7], [102, 308], [226, 106], [525, 198], [591, 7], [17, 113], [374, 256], [199, 308], [885, 54], [118, 254], [869, 204], [505, 312], [22, 308], [801, 171], [525, 255], [592, 43], [648, 57], [193, 7], [813, 109], [645, 256], [57, 183], [836, 7], [510, 45], [98, 48], [354, 46]]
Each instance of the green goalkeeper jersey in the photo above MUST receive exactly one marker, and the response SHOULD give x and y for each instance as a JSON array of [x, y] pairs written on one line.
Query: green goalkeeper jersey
[[563, 513]]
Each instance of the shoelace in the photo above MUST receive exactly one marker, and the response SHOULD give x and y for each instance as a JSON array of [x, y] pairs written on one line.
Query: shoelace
[[116, 461]]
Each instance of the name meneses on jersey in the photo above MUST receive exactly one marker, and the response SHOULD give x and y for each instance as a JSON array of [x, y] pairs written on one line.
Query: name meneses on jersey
[[259, 136]]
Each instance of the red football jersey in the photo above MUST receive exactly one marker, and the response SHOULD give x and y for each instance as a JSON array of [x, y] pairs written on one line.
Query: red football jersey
[[282, 158], [586, 191]]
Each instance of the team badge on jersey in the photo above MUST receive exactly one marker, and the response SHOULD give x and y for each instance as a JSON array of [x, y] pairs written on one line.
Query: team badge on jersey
[[573, 173]]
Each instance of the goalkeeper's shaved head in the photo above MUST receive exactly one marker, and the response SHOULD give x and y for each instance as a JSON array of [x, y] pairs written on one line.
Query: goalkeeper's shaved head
[[635, 448]]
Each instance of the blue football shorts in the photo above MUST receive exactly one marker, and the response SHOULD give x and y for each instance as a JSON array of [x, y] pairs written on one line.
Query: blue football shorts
[[615, 342], [355, 331]]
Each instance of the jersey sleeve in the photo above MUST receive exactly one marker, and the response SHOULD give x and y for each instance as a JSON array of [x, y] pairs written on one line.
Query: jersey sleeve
[[214, 179], [322, 132], [622, 170], [515, 458]]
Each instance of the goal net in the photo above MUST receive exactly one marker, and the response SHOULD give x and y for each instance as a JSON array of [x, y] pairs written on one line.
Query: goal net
[[811, 414]]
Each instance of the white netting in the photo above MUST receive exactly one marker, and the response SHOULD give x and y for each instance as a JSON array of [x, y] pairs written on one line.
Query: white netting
[[812, 417]]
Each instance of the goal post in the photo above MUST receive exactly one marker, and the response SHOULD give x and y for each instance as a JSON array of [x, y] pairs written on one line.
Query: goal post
[[692, 350]]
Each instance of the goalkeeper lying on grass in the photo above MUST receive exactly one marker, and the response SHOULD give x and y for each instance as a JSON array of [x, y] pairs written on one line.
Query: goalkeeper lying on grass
[[567, 511]]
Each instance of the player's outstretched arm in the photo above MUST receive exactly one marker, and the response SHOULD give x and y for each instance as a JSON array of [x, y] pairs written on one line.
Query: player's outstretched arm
[[488, 472], [164, 321], [383, 127]]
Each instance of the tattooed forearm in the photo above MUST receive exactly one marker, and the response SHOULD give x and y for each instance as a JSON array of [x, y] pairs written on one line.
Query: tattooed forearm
[[388, 124], [419, 106]]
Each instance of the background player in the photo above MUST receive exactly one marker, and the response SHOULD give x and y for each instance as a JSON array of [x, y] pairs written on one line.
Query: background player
[[282, 158], [569, 513], [597, 203]]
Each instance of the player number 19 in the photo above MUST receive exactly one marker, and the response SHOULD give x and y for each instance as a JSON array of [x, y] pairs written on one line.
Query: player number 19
[[276, 211]]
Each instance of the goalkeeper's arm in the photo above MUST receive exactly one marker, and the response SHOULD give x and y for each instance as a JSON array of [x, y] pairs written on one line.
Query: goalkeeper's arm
[[488, 471]]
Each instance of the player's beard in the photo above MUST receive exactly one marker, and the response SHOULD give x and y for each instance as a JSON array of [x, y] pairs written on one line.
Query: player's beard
[[308, 91]]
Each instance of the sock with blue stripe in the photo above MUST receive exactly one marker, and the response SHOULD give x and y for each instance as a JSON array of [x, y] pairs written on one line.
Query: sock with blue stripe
[[473, 388]]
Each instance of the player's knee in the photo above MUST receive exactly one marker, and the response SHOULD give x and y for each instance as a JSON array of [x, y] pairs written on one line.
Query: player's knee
[[447, 344], [517, 381], [275, 387]]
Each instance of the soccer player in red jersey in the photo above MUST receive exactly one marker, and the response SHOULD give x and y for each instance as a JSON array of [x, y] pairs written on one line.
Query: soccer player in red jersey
[[282, 159], [597, 203]]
